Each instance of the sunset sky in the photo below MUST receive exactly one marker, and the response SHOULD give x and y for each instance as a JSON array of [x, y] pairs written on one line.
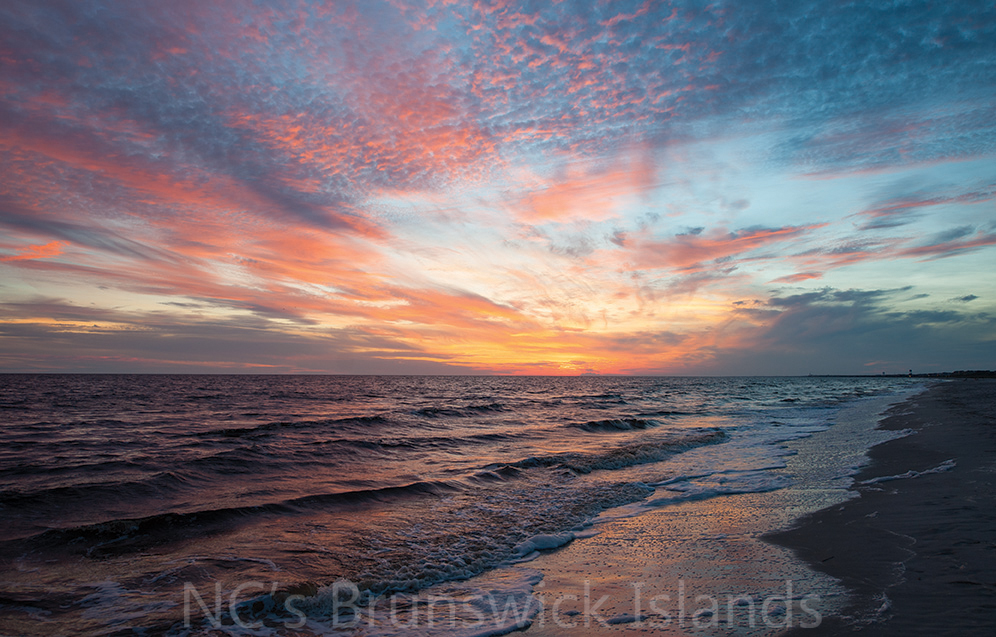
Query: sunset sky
[[437, 186]]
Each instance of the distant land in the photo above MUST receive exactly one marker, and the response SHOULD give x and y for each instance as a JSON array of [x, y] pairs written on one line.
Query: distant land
[[962, 373]]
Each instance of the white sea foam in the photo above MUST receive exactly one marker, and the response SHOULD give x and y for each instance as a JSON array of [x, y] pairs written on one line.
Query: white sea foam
[[947, 465], [542, 542], [496, 603]]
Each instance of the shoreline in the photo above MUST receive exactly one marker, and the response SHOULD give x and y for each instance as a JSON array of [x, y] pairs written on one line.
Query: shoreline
[[699, 565], [916, 548], [705, 566]]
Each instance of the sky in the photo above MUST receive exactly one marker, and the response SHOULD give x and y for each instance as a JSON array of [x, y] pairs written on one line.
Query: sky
[[498, 187]]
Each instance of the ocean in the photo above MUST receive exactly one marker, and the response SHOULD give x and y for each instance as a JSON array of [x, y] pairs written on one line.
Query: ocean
[[249, 504]]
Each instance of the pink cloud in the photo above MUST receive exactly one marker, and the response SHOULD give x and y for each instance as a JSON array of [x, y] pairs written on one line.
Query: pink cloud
[[589, 193], [949, 248], [888, 213], [798, 277], [690, 250]]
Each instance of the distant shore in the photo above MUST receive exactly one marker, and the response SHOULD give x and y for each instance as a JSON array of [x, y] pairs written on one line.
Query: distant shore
[[918, 547], [966, 373]]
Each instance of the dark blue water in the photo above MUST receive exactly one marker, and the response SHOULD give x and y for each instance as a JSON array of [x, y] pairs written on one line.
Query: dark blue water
[[116, 492]]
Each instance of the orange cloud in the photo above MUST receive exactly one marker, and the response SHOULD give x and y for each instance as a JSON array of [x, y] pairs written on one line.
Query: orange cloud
[[50, 249]]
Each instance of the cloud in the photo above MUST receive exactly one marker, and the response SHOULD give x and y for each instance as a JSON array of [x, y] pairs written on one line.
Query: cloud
[[690, 250], [902, 210], [233, 166], [798, 277], [951, 243], [50, 249], [856, 249], [49, 334], [581, 192], [830, 330]]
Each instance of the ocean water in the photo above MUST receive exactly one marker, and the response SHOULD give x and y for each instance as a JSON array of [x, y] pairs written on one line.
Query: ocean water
[[151, 504]]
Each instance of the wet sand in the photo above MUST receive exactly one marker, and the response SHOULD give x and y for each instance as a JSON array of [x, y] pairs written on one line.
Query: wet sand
[[917, 549]]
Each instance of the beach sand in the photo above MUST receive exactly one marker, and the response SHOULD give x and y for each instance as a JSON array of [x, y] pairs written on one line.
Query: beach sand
[[918, 551]]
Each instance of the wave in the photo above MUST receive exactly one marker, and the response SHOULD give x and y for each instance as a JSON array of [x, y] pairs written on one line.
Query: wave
[[68, 487], [271, 427], [615, 424], [602, 396], [461, 539], [70, 496], [238, 461], [121, 536], [526, 505], [19, 405], [421, 442], [617, 457], [67, 468], [379, 494], [672, 412], [459, 412], [497, 474]]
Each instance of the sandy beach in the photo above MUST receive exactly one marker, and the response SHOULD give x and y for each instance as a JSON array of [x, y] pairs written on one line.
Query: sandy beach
[[918, 547]]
